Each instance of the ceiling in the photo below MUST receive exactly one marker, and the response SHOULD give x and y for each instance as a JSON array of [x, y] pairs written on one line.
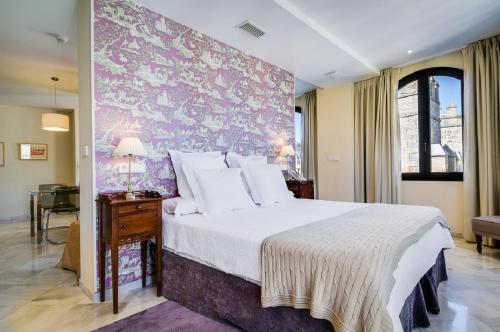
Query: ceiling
[[25, 33], [30, 55], [355, 38], [302, 87], [307, 37]]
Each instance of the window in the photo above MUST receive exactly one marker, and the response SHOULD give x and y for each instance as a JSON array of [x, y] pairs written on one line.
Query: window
[[298, 139], [430, 108]]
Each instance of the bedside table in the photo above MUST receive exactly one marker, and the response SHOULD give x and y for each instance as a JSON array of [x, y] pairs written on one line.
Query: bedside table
[[301, 188], [123, 222]]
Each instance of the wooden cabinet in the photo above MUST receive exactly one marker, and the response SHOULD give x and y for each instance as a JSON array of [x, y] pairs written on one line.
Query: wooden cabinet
[[122, 222], [301, 189]]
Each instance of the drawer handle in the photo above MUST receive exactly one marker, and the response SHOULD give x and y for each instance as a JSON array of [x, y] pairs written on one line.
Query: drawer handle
[[139, 206], [122, 226]]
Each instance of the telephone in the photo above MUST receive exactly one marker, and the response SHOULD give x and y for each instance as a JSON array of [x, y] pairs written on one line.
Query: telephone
[[294, 175], [151, 193]]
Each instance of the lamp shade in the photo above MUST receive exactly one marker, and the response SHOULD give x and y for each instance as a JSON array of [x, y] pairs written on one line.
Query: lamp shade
[[287, 151], [55, 122], [130, 145]]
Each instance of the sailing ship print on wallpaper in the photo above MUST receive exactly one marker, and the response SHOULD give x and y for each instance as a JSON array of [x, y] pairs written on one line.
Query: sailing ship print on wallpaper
[[176, 88]]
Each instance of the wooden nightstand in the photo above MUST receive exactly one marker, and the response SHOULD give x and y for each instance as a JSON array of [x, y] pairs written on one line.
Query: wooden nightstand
[[122, 222], [301, 188]]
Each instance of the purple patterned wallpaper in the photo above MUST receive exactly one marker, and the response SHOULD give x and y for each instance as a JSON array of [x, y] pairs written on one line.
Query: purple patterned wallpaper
[[176, 88]]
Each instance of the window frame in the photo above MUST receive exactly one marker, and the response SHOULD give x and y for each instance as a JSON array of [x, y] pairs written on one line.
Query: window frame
[[298, 154], [425, 162]]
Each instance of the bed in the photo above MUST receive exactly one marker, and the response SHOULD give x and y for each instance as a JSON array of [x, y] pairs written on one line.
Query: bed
[[212, 265]]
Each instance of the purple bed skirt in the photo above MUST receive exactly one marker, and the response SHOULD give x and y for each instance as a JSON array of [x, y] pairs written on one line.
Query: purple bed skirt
[[235, 301]]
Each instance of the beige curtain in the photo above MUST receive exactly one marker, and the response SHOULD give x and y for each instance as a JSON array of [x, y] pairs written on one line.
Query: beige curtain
[[481, 131], [365, 104], [376, 141], [309, 139]]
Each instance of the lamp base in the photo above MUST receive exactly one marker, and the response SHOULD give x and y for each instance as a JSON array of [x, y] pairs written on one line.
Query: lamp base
[[129, 196]]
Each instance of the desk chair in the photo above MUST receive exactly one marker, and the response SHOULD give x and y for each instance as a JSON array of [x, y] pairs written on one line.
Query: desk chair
[[66, 200]]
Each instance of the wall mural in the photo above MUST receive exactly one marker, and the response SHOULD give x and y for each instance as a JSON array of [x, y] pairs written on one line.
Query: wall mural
[[176, 88]]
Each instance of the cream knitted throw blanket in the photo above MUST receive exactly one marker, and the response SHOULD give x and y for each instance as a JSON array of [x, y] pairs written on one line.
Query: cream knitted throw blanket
[[341, 268]]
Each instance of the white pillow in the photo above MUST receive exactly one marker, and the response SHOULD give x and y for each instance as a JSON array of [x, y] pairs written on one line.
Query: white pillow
[[222, 190], [182, 184], [266, 183], [192, 162], [170, 204], [233, 159], [180, 206]]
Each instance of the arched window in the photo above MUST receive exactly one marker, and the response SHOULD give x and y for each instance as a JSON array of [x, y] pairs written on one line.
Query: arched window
[[430, 104]]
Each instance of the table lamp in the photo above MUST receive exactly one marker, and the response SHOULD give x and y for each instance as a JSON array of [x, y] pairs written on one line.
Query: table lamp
[[287, 151], [130, 146]]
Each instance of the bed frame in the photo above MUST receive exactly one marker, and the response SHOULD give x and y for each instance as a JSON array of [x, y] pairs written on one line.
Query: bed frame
[[236, 301]]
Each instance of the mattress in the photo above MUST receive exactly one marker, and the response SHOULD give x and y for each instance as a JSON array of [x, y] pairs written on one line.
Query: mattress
[[231, 242]]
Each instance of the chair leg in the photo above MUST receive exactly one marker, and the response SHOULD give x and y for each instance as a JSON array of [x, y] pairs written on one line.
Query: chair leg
[[479, 243], [46, 228], [47, 231]]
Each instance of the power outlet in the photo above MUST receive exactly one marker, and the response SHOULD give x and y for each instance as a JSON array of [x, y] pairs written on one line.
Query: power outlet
[[333, 157]]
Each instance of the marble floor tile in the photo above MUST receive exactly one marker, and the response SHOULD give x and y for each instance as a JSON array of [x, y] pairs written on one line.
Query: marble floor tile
[[37, 295]]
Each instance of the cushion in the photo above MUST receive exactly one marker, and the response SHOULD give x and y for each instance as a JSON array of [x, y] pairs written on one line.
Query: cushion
[[266, 183], [233, 159], [222, 190], [182, 184], [489, 225], [192, 162], [180, 206]]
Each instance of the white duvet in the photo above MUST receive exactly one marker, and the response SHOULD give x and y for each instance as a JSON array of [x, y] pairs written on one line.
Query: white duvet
[[231, 242]]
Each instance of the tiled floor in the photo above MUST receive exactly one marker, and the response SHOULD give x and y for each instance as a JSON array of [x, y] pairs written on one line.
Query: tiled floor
[[470, 299], [36, 295]]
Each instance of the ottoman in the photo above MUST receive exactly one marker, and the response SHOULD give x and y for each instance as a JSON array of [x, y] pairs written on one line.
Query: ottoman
[[485, 226]]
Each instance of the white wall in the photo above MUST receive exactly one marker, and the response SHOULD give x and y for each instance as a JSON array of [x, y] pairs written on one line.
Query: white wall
[[88, 235], [336, 138], [445, 195], [23, 125]]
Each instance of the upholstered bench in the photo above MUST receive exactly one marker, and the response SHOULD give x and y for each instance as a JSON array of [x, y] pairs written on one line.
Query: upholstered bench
[[485, 226]]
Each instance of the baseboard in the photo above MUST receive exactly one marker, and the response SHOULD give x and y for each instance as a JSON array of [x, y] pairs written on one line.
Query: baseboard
[[456, 235], [15, 218], [86, 291], [95, 297]]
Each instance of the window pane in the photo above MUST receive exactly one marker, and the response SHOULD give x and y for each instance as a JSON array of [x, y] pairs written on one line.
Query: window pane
[[446, 124], [408, 122], [298, 142]]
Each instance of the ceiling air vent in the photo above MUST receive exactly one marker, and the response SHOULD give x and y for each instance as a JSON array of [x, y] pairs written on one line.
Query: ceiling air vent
[[252, 29], [332, 74]]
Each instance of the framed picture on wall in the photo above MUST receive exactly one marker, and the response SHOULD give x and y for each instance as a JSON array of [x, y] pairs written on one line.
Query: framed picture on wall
[[2, 154], [32, 151]]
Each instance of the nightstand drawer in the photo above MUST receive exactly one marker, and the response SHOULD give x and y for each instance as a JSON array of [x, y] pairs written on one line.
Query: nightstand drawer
[[301, 188], [295, 189], [137, 207], [139, 223]]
